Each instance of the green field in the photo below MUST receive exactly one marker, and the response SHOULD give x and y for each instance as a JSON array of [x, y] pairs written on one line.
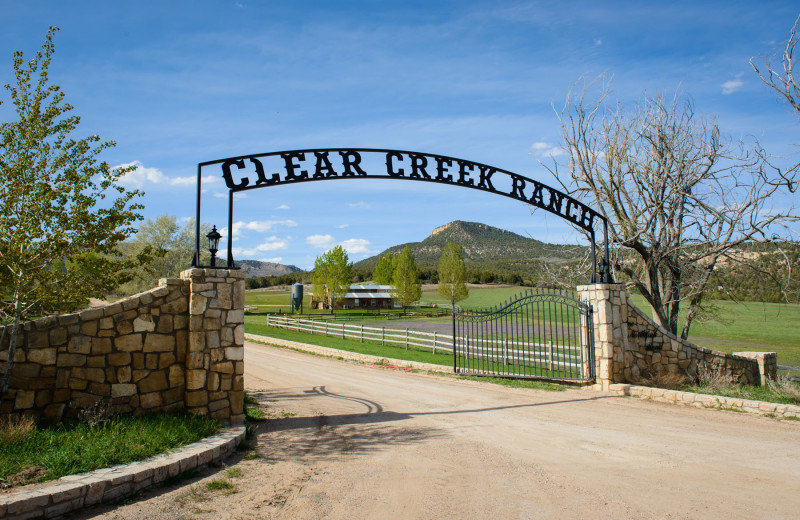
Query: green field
[[274, 299], [738, 327]]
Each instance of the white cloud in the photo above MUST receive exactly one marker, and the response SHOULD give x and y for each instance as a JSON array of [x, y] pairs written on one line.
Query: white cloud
[[356, 246], [224, 195], [323, 242], [544, 149], [732, 85], [342, 226], [598, 42], [143, 175], [359, 204], [282, 206], [269, 244], [261, 226]]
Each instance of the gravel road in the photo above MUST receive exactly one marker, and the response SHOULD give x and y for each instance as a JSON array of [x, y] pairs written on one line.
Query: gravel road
[[351, 441]]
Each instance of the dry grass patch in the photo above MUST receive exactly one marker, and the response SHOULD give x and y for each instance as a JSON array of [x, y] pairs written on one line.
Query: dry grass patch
[[668, 380], [14, 428]]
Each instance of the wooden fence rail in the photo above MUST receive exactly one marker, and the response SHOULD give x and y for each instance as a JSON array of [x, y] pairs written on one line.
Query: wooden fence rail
[[433, 341]]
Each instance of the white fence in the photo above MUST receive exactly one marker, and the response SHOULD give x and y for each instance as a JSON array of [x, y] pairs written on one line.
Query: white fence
[[434, 341], [544, 355]]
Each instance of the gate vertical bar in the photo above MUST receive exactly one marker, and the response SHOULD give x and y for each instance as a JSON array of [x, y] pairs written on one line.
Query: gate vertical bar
[[455, 333], [230, 230], [196, 261]]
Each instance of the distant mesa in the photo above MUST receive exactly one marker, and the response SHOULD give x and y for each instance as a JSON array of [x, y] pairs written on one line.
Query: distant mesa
[[482, 246], [256, 268]]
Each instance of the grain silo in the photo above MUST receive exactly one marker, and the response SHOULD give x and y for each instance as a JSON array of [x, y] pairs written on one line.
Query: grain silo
[[297, 297]]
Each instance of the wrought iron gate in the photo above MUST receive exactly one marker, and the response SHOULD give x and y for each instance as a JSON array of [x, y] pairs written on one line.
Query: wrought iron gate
[[540, 334]]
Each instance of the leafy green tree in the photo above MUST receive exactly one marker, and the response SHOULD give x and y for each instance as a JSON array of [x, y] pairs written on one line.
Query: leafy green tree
[[332, 275], [63, 213], [452, 275], [172, 248], [384, 270], [407, 288]]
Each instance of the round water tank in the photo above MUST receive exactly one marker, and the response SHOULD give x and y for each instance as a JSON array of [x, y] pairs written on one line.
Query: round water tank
[[297, 297]]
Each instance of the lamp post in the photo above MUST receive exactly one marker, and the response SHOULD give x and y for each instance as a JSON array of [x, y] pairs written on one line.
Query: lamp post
[[213, 242]]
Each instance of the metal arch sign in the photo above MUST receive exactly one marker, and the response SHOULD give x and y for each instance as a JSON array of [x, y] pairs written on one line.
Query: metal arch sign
[[248, 172]]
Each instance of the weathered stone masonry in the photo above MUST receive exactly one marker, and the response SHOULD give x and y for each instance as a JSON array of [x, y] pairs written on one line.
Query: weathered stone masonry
[[629, 345], [176, 347]]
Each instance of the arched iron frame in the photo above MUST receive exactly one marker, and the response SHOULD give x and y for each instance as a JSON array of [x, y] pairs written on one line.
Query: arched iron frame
[[401, 165]]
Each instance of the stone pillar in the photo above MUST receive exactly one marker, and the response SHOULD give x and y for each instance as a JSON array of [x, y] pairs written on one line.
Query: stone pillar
[[609, 306], [215, 353], [767, 364]]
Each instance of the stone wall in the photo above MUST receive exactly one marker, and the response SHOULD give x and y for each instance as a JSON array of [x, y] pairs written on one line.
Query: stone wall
[[176, 347], [629, 346]]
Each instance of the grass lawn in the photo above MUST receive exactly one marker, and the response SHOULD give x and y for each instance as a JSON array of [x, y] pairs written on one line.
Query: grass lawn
[[274, 297], [76, 447]]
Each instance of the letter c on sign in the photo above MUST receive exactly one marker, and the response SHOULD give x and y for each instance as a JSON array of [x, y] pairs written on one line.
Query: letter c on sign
[[226, 174], [389, 166]]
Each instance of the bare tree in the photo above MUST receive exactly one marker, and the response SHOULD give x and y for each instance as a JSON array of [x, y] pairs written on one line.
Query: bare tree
[[777, 72], [677, 195], [781, 77]]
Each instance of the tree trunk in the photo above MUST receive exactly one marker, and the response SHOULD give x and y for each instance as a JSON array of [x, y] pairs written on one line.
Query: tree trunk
[[698, 297], [689, 317], [12, 347]]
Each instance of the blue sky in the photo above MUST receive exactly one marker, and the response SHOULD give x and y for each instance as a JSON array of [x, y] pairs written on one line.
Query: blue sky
[[178, 83]]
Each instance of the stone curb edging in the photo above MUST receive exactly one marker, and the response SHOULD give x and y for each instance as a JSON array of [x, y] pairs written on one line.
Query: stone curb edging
[[662, 395], [346, 354], [108, 484]]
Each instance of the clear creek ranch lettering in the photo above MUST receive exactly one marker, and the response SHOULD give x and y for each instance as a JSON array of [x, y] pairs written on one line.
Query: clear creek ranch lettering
[[314, 165]]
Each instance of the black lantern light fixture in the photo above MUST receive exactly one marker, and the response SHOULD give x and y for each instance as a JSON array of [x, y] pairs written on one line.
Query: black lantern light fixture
[[213, 243]]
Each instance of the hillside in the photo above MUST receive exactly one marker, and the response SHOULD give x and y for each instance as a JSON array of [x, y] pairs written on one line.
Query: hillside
[[485, 248], [255, 268]]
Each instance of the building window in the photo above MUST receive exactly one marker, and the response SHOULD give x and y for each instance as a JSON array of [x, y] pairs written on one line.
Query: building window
[[372, 302], [355, 302]]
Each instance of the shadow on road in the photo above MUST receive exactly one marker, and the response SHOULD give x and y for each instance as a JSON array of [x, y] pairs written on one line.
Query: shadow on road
[[374, 412], [328, 436]]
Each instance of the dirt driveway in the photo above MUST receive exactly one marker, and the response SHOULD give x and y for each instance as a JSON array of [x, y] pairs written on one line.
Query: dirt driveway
[[350, 441]]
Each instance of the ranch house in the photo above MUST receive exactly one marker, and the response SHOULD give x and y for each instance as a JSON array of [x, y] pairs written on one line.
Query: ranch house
[[361, 296]]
